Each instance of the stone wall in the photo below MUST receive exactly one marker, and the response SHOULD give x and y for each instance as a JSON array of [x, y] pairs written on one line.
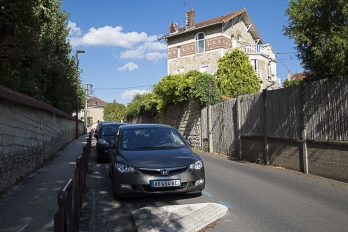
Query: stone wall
[[29, 135], [185, 117], [195, 62]]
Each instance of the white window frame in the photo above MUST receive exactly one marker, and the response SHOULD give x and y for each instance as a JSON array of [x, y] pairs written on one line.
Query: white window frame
[[200, 41], [204, 68], [255, 65]]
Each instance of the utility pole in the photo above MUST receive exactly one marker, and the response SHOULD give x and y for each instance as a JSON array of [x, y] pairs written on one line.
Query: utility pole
[[77, 92], [209, 117], [86, 106]]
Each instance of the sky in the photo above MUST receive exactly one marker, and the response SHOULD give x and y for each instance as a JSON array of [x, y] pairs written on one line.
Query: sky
[[123, 56]]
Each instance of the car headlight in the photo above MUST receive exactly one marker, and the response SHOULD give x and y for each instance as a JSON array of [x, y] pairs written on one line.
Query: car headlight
[[124, 168], [102, 141], [198, 165]]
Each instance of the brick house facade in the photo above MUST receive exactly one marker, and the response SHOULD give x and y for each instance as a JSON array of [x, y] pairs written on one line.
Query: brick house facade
[[199, 46]]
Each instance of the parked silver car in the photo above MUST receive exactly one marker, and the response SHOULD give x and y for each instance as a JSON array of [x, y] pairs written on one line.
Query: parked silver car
[[150, 159]]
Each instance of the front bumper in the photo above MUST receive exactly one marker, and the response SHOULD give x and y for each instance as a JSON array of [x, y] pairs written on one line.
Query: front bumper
[[103, 151], [139, 184]]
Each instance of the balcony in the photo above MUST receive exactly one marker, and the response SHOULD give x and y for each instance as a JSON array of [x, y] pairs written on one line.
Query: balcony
[[264, 49]]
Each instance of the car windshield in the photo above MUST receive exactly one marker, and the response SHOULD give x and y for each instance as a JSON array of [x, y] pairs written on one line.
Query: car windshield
[[109, 130], [160, 138]]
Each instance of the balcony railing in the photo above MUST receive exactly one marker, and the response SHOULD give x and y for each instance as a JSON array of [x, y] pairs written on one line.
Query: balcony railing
[[258, 49]]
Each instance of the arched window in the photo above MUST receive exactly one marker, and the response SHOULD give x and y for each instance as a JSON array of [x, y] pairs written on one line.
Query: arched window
[[200, 43]]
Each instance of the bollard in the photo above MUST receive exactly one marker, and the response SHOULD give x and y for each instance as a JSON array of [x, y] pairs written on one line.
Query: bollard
[[63, 217], [77, 193]]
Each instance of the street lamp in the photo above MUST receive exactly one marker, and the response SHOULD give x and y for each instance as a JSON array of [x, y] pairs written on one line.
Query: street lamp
[[77, 92]]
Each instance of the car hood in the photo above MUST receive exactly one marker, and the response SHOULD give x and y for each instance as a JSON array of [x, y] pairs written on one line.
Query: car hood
[[159, 158]]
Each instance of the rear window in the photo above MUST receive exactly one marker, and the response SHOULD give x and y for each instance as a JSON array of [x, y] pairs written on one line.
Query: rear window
[[109, 130]]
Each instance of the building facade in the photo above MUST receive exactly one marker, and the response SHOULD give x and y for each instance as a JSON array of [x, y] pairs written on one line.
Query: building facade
[[199, 46], [95, 111]]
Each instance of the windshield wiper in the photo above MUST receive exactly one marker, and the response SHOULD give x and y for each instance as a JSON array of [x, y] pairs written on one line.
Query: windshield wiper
[[167, 147]]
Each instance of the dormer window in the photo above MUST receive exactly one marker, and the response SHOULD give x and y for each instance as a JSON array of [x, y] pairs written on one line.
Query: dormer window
[[200, 43]]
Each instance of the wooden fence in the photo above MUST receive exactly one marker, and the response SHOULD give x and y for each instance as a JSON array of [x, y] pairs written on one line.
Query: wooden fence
[[313, 112]]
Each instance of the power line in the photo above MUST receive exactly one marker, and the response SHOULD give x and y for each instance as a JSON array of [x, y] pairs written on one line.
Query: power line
[[285, 52], [124, 87], [283, 63]]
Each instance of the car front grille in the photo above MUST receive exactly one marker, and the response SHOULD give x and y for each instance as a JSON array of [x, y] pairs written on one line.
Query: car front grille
[[157, 171]]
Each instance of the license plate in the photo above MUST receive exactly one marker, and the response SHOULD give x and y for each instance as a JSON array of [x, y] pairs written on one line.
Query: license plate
[[164, 183]]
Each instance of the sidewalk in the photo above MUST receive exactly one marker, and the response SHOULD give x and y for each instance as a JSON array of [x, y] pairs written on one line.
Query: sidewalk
[[31, 205]]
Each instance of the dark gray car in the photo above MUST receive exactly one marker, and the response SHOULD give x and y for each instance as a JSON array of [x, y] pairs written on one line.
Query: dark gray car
[[150, 159], [106, 133]]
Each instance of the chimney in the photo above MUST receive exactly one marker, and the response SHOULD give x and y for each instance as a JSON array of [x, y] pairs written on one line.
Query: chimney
[[173, 27], [190, 19], [289, 75], [114, 100]]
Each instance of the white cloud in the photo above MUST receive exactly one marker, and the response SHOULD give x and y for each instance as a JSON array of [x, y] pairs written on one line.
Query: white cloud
[[111, 36], [139, 44], [146, 50], [130, 66], [73, 29], [129, 94], [155, 56]]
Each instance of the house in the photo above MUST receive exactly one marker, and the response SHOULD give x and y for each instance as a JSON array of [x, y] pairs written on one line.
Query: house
[[95, 110], [297, 75], [199, 46]]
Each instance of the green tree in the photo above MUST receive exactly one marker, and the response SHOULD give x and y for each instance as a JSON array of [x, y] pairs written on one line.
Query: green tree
[[235, 75], [19, 45], [199, 88], [172, 89], [114, 112], [288, 83], [57, 78], [320, 30], [34, 52], [142, 104]]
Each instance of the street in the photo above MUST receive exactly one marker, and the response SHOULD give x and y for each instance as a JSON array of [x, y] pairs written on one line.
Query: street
[[259, 198]]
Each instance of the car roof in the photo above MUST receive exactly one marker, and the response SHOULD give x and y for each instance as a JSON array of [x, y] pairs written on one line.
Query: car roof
[[112, 123], [145, 126]]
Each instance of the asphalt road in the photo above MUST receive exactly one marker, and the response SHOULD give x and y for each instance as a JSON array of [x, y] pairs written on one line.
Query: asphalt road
[[259, 198], [264, 198]]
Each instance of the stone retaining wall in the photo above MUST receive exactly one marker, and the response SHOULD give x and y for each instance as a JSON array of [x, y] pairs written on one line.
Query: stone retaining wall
[[185, 117], [29, 136]]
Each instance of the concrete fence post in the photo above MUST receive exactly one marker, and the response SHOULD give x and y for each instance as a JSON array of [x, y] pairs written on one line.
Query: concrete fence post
[[265, 124], [303, 121]]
